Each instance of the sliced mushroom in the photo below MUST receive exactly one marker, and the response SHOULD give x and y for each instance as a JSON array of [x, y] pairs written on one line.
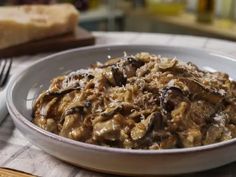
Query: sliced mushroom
[[190, 137], [134, 62], [44, 104], [152, 88], [200, 111], [232, 129], [76, 108], [123, 109], [87, 104], [118, 76], [115, 77], [197, 90], [167, 64], [193, 66], [127, 108], [70, 121], [179, 117], [140, 129], [72, 110], [110, 62], [129, 71], [213, 134], [230, 113], [131, 65], [39, 103], [46, 107], [109, 112], [108, 130], [168, 143], [62, 91], [170, 97], [76, 84], [51, 125], [234, 88], [158, 123]]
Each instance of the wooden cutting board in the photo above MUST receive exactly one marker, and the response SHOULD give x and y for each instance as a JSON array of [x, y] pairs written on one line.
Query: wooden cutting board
[[79, 38], [7, 172]]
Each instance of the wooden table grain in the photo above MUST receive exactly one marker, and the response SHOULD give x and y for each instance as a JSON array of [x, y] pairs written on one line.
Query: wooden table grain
[[16, 152]]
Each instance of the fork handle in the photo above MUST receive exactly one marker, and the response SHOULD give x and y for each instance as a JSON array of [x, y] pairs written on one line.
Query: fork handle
[[3, 106]]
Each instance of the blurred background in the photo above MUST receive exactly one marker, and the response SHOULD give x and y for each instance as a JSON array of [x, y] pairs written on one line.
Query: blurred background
[[210, 18]]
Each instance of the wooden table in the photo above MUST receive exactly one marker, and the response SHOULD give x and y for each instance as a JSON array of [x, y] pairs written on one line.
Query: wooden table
[[16, 152]]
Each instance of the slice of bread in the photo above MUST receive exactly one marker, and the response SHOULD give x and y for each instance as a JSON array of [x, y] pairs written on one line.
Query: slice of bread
[[21, 24]]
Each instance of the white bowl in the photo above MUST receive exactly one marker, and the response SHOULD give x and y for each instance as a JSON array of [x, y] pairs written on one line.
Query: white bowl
[[25, 87]]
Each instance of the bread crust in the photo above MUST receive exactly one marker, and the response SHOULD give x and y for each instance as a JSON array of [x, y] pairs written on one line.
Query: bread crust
[[21, 24]]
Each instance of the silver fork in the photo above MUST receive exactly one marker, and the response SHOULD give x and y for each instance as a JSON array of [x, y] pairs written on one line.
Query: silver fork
[[5, 68]]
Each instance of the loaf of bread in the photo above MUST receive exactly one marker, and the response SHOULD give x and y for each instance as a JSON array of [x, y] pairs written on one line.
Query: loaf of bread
[[21, 24]]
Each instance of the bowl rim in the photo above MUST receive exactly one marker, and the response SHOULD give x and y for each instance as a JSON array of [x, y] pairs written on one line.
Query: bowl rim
[[24, 122]]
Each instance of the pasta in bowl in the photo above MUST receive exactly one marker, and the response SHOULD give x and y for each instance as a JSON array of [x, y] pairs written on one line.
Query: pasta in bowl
[[141, 101]]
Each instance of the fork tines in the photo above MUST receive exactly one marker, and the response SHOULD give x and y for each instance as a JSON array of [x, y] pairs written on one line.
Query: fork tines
[[5, 68]]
